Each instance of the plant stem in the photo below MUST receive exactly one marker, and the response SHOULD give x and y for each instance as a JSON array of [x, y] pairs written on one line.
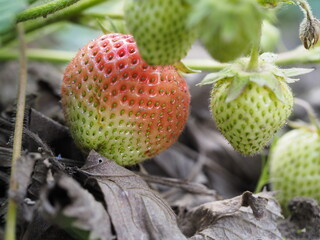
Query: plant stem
[[116, 16], [304, 5], [311, 113], [66, 13], [298, 55], [264, 176], [44, 10], [41, 55], [254, 58], [10, 230]]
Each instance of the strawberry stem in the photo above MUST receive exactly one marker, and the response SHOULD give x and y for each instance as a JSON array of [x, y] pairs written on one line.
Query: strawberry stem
[[254, 58], [63, 14], [304, 5], [10, 231], [296, 56], [44, 10], [264, 176], [311, 113]]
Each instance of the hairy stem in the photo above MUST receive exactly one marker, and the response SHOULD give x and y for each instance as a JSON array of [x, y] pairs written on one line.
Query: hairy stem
[[254, 58], [311, 113], [18, 131], [66, 13], [305, 7], [44, 10], [116, 16]]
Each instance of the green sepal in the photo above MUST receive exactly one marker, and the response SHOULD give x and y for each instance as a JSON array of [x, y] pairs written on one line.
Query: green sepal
[[185, 69], [237, 86], [269, 75], [103, 28], [270, 81], [286, 74], [292, 72], [212, 78]]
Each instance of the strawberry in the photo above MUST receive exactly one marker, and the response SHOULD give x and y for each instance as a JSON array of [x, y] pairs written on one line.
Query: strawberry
[[159, 27], [249, 107], [295, 165], [118, 105], [227, 28]]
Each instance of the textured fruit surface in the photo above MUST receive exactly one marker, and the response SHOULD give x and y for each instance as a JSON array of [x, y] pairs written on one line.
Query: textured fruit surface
[[159, 27], [295, 165], [118, 105], [251, 120]]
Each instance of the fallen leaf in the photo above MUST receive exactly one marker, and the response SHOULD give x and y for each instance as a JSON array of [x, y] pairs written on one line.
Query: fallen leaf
[[136, 211], [231, 219], [22, 175], [75, 210]]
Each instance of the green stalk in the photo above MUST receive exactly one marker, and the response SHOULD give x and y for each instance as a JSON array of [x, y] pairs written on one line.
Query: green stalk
[[10, 231], [115, 16], [305, 7], [254, 58], [264, 176], [40, 55], [66, 13], [298, 55], [44, 10], [310, 111]]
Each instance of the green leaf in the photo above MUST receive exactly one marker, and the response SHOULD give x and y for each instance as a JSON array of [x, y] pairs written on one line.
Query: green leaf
[[270, 81], [237, 86], [8, 11]]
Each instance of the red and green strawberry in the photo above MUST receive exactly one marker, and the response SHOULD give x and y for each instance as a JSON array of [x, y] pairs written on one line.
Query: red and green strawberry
[[250, 107], [160, 29], [117, 104]]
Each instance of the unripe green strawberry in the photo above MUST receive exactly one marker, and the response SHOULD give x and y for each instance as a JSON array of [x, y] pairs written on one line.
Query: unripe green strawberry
[[251, 120], [270, 3], [270, 37], [118, 105], [159, 27], [295, 165], [227, 28], [249, 107]]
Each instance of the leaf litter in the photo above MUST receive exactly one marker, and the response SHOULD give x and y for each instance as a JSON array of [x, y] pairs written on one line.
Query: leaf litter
[[183, 193]]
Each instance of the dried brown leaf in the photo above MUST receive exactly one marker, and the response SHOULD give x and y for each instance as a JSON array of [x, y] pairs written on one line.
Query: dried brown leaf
[[136, 211], [231, 219], [22, 174], [75, 210]]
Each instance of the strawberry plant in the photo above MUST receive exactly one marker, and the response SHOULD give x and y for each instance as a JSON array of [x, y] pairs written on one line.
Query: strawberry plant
[[125, 94]]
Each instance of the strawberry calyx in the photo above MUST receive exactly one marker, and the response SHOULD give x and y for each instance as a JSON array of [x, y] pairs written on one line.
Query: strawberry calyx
[[268, 74]]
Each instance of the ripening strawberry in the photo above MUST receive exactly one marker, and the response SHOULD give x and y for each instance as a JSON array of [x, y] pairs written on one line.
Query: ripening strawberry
[[118, 105], [249, 107], [295, 165], [160, 29]]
